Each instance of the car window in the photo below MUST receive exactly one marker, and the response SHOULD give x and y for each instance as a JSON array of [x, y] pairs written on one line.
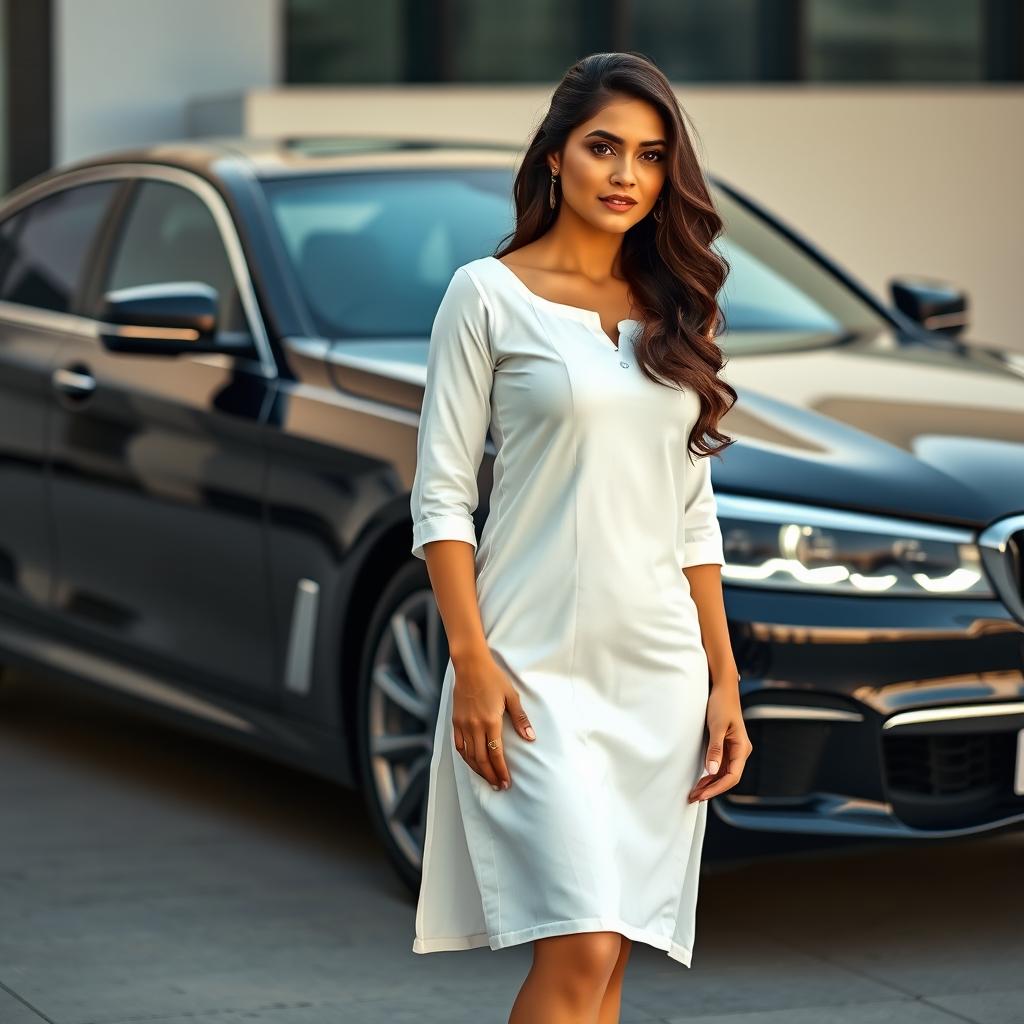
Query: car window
[[43, 247], [373, 254], [170, 235], [776, 288]]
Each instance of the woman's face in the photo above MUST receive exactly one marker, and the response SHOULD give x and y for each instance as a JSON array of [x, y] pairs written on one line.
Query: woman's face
[[620, 151]]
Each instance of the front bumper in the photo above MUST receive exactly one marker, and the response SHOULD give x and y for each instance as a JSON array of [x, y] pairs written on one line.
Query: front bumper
[[907, 720]]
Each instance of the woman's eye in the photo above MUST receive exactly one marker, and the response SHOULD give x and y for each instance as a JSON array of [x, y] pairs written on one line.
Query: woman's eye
[[657, 154]]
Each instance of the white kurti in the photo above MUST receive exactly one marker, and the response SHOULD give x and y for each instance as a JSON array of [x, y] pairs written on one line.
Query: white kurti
[[595, 509]]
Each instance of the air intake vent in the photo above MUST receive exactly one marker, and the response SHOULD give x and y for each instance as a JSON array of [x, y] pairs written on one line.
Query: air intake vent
[[948, 765], [951, 779]]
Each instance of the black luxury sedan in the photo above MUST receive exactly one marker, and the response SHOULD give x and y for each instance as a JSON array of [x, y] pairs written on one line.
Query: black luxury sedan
[[212, 358]]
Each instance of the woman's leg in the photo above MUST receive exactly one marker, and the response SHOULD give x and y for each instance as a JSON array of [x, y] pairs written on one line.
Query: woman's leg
[[567, 979], [612, 1002]]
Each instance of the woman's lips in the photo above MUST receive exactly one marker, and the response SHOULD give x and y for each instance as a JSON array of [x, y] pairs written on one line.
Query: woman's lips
[[618, 207]]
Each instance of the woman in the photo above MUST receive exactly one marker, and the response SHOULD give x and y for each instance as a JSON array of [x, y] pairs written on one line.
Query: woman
[[587, 631]]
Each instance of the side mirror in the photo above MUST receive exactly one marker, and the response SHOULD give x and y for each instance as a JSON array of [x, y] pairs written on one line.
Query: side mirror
[[166, 319], [936, 305]]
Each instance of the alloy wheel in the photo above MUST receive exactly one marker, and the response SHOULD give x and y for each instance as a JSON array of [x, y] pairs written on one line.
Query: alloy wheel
[[406, 672]]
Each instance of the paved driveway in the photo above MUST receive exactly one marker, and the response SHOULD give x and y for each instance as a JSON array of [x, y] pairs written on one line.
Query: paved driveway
[[149, 876]]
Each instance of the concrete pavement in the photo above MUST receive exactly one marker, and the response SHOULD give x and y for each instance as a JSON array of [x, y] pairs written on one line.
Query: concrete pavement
[[146, 875]]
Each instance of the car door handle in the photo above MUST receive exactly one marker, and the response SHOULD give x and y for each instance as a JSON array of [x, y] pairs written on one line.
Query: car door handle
[[73, 382]]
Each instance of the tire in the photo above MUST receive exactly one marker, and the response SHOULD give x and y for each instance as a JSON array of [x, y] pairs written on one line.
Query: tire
[[400, 678]]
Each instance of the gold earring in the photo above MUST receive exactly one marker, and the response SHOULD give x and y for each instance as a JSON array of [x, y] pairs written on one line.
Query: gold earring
[[551, 191]]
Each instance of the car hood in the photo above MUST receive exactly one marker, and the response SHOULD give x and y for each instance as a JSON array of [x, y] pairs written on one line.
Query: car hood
[[930, 429]]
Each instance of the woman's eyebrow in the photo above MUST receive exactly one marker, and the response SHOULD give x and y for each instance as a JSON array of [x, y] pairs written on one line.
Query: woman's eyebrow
[[616, 139]]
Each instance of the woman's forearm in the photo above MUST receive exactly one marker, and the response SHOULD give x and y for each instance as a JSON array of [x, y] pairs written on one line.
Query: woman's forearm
[[452, 570], [706, 590]]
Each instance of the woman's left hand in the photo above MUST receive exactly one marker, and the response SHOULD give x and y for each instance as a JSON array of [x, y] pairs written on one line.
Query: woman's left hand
[[728, 745]]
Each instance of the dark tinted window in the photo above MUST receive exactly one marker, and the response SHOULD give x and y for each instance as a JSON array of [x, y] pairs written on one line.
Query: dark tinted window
[[374, 253], [170, 235], [691, 40], [43, 248], [899, 40]]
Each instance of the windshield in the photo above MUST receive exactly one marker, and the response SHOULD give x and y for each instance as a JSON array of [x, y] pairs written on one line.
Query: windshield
[[374, 253]]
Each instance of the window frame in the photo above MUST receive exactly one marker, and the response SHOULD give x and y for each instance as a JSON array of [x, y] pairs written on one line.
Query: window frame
[[79, 320]]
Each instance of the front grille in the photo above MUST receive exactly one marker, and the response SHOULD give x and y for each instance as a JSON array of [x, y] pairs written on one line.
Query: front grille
[[1001, 546], [948, 779]]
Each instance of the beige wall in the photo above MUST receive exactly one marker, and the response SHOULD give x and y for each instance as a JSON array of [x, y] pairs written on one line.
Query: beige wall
[[889, 180], [124, 70]]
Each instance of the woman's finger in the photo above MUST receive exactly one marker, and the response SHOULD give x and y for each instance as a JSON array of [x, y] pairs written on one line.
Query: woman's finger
[[711, 785], [721, 784], [497, 756], [459, 739], [481, 758]]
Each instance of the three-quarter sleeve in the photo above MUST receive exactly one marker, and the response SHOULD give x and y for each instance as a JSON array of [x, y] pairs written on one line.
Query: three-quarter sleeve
[[702, 534], [454, 418]]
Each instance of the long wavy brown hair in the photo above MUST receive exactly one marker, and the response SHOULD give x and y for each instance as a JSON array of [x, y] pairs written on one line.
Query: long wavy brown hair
[[672, 271]]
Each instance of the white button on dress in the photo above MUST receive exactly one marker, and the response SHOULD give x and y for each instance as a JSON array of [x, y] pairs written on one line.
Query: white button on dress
[[595, 508]]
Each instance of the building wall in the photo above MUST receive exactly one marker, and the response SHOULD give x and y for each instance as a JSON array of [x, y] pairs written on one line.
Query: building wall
[[888, 179], [125, 70]]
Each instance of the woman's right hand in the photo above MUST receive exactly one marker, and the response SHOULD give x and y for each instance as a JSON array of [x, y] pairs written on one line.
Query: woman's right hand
[[482, 693]]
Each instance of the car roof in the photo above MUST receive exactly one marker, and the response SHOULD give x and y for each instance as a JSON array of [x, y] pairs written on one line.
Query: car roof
[[293, 156]]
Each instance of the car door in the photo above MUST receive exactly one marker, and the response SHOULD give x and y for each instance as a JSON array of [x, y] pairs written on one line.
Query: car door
[[44, 245], [159, 463]]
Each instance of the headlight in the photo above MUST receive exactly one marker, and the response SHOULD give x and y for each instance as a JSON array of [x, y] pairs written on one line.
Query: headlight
[[781, 545]]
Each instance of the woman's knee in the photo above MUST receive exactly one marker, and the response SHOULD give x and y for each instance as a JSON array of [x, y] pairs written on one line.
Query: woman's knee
[[589, 956]]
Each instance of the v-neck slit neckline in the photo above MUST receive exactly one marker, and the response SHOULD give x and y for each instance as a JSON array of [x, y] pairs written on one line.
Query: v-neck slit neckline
[[589, 316]]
